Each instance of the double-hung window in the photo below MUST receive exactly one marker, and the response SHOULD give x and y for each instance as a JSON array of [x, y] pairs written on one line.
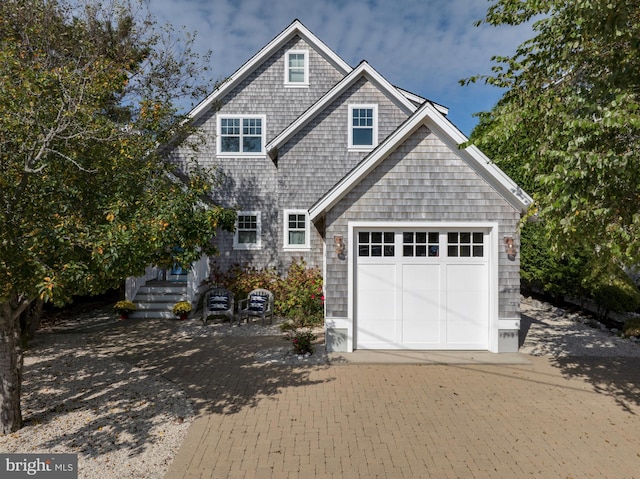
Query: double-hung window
[[241, 135], [363, 127], [296, 71], [296, 229], [248, 230]]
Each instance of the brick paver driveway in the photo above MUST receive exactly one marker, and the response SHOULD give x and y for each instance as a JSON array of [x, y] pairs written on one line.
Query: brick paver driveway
[[554, 418]]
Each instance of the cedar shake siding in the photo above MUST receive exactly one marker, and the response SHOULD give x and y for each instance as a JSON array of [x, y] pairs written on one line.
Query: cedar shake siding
[[422, 180]]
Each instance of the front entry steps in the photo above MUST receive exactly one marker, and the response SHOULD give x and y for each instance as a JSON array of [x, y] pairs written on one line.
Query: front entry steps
[[157, 298]]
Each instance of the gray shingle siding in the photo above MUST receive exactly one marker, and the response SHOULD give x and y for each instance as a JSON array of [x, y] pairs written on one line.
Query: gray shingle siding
[[252, 184], [414, 184], [317, 157]]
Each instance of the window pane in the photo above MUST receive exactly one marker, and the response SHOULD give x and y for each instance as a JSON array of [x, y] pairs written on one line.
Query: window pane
[[376, 250], [363, 237], [452, 238], [478, 251], [434, 251], [252, 144], [230, 144], [434, 237], [421, 237], [296, 237], [465, 251], [478, 237], [296, 76], [389, 238], [247, 237], [465, 237], [363, 136], [376, 237], [407, 250], [363, 250], [421, 250], [452, 251], [407, 237]]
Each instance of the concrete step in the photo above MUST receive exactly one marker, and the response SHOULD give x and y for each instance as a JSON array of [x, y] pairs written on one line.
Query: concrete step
[[160, 297], [154, 313]]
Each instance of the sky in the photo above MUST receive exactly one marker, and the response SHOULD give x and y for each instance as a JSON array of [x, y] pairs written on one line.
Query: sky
[[424, 46]]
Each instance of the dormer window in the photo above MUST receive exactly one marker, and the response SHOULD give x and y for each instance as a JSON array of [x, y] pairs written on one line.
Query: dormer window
[[296, 72], [363, 127]]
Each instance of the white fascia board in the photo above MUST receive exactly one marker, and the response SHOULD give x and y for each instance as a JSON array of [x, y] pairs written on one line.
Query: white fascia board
[[363, 69], [420, 100], [296, 28], [447, 132]]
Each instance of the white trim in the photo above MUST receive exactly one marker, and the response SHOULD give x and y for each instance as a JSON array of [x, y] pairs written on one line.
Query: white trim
[[296, 28], [285, 231], [249, 246], [364, 69], [287, 69], [374, 127], [263, 135], [429, 116], [493, 262]]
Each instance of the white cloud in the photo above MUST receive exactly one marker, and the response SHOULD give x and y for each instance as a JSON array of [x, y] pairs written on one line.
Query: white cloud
[[425, 46]]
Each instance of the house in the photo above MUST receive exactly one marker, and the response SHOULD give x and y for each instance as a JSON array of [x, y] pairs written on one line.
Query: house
[[414, 235]]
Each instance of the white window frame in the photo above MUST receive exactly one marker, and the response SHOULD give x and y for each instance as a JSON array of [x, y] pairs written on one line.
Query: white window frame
[[261, 153], [298, 247], [287, 68], [374, 127], [249, 246]]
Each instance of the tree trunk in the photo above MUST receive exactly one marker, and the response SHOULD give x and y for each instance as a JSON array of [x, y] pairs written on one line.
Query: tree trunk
[[11, 361]]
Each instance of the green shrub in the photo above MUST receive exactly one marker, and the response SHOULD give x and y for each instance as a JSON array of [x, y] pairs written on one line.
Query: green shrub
[[301, 340], [611, 289], [298, 293], [631, 327]]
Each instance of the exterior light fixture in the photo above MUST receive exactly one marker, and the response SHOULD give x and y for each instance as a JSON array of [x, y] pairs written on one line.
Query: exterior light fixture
[[510, 247], [338, 244]]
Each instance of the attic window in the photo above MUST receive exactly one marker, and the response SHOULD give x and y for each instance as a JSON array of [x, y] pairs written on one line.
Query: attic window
[[296, 72], [363, 127]]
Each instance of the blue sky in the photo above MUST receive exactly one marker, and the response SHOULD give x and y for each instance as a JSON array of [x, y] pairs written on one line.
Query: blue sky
[[424, 46]]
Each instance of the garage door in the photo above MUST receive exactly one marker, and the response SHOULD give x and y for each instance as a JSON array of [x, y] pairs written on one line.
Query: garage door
[[422, 289]]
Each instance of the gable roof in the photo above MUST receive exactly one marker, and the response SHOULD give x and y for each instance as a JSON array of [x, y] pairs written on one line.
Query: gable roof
[[429, 116], [296, 28], [362, 70]]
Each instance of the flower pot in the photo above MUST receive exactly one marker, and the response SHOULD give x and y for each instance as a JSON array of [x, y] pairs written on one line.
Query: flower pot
[[183, 316], [124, 315]]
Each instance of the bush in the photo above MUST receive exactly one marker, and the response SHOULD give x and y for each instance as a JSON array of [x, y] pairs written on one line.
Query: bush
[[301, 340], [298, 294], [612, 290], [631, 327]]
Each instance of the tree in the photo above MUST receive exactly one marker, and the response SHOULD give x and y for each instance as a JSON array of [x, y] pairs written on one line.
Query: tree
[[571, 111], [87, 195]]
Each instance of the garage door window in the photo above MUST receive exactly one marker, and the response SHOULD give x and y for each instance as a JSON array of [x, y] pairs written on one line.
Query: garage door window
[[421, 244], [465, 244], [376, 243]]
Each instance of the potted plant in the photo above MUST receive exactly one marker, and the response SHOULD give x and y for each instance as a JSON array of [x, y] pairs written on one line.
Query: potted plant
[[123, 308], [182, 309]]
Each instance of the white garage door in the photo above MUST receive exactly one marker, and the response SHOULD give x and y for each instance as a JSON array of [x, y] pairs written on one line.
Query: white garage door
[[422, 289]]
